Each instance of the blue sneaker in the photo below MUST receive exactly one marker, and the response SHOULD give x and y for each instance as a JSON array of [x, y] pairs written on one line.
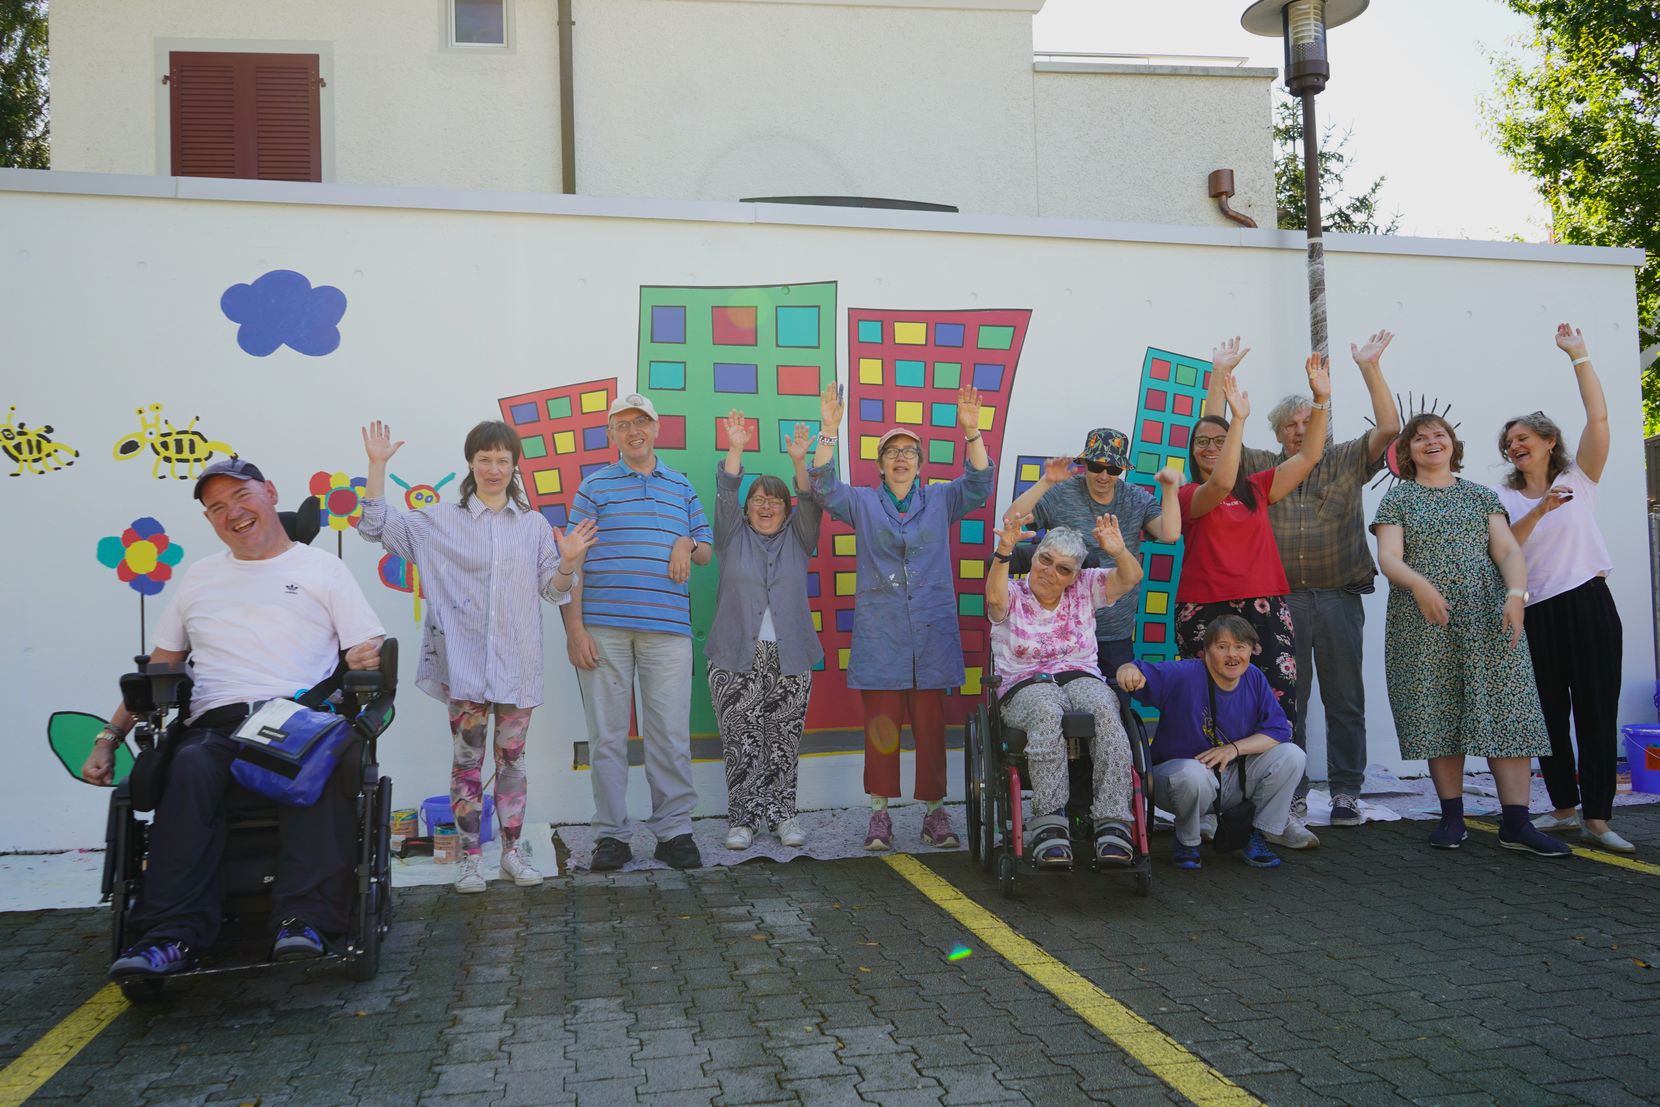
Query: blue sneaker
[[154, 958], [297, 941], [1186, 857], [1448, 835], [1257, 854]]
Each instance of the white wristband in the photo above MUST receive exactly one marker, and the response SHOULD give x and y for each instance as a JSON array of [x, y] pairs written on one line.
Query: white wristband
[[1582, 360], [1516, 594]]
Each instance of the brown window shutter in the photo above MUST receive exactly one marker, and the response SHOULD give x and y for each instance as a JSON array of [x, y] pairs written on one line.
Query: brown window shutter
[[246, 115]]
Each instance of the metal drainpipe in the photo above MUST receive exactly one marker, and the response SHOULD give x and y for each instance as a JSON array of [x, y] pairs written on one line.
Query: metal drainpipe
[[1221, 187], [567, 108]]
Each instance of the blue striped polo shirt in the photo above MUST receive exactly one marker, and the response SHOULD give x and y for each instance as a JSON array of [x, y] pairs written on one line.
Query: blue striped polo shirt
[[625, 578]]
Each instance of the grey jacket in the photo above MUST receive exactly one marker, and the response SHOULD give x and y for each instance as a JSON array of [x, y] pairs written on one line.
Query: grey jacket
[[758, 572]]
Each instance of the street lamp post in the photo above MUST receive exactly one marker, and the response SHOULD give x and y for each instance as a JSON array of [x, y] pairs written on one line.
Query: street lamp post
[[1303, 25]]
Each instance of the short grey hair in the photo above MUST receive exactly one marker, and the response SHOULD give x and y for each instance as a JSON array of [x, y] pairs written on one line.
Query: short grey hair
[[1064, 542], [1286, 410]]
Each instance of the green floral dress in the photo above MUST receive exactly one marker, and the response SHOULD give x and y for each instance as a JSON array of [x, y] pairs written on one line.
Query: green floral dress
[[1460, 688]]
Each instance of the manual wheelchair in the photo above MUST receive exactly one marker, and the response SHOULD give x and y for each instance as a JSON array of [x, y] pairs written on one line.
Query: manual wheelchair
[[158, 696], [994, 767]]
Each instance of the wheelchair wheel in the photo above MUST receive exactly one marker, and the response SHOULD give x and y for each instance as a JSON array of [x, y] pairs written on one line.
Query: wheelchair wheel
[[1005, 874], [375, 908], [142, 991], [974, 744]]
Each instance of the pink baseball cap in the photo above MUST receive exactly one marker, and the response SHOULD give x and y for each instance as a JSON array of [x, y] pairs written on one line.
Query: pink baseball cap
[[896, 432]]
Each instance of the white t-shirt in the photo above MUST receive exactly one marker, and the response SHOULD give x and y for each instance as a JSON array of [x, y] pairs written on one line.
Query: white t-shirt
[[1566, 548], [257, 630]]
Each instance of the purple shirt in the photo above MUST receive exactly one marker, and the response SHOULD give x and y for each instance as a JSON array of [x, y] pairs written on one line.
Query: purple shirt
[[1178, 690]]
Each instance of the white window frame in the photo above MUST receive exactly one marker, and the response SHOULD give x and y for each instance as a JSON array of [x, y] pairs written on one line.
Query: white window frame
[[447, 14]]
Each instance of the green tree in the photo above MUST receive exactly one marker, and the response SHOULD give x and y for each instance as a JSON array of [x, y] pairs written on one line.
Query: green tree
[[1356, 214], [1579, 111], [23, 107]]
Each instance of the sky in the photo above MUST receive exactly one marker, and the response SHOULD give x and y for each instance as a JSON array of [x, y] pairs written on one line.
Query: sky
[[1408, 77]]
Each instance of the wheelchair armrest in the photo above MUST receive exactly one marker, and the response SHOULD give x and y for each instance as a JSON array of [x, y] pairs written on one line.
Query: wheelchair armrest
[[375, 689], [158, 687]]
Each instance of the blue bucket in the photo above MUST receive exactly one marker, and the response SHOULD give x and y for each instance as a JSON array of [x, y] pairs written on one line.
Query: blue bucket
[[437, 810], [1642, 741]]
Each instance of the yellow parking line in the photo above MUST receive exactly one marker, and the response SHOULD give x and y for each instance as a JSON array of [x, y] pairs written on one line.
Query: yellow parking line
[[1159, 1053], [58, 1046], [1606, 858]]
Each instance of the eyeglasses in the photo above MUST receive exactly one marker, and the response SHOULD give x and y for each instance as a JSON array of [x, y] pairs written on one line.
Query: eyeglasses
[[1204, 442], [1060, 568], [631, 424], [765, 501], [1103, 467], [902, 451]]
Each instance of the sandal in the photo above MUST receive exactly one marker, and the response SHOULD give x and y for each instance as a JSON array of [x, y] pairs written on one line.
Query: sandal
[[1113, 846], [1049, 845]]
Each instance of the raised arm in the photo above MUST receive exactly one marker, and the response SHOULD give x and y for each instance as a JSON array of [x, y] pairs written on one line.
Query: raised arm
[[1012, 533], [801, 440], [1294, 470], [829, 423], [1224, 358], [400, 532], [1126, 567], [1221, 480], [968, 415], [1386, 417], [569, 547], [728, 515], [378, 445], [1167, 526], [1592, 454], [808, 515], [1058, 470]]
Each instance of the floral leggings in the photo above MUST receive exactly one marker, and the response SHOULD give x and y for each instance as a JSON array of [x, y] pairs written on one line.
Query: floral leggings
[[468, 723], [1275, 654]]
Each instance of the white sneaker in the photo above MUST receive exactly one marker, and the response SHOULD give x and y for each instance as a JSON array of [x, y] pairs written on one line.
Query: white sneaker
[[739, 837], [1549, 822], [469, 879], [791, 834], [1207, 827], [1294, 836], [516, 866]]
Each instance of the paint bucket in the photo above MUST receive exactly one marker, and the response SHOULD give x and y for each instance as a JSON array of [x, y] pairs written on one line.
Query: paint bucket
[[436, 810], [446, 844], [1642, 742], [404, 823], [1622, 777]]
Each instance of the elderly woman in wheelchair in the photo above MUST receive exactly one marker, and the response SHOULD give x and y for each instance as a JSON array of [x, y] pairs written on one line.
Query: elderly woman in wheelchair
[[1044, 650]]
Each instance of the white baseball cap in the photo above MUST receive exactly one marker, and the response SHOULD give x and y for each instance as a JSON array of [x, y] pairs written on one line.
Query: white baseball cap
[[632, 400]]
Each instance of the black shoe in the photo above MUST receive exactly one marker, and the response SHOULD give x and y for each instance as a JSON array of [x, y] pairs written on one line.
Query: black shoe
[[680, 852], [610, 853], [297, 941], [154, 958]]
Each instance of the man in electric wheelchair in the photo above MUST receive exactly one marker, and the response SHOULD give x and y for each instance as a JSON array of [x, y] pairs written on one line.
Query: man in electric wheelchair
[[1045, 655], [1223, 748], [261, 621]]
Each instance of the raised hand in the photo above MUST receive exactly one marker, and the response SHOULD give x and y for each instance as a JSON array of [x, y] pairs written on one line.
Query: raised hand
[[968, 409], [377, 442], [1369, 352], [1227, 354], [575, 542], [737, 431], [1168, 478], [1108, 536], [1238, 402], [1013, 531], [1057, 470], [798, 443], [830, 408], [1318, 368], [1570, 341]]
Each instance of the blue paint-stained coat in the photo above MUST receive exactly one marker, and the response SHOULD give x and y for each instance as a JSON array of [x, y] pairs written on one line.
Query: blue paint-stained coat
[[905, 611]]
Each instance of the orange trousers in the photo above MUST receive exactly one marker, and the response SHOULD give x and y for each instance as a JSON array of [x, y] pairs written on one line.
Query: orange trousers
[[887, 711]]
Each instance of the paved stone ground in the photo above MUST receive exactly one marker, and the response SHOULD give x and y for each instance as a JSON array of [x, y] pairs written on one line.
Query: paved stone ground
[[1370, 971]]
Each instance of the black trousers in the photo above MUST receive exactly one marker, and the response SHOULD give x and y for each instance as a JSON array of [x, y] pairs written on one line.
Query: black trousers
[[317, 852], [1112, 654], [1575, 639]]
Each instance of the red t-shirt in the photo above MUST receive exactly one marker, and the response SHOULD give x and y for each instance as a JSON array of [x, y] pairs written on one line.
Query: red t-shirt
[[1231, 553]]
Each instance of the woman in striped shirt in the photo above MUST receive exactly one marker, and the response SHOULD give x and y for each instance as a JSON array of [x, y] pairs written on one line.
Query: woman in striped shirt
[[485, 564]]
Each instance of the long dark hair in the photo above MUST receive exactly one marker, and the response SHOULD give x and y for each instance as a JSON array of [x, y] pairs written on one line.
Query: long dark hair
[[493, 434], [1243, 490], [1545, 427]]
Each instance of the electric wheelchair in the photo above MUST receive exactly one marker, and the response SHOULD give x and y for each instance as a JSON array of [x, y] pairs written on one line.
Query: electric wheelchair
[[995, 768], [158, 697]]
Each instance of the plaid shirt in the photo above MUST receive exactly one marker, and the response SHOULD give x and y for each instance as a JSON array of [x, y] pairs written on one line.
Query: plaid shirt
[[1320, 527]]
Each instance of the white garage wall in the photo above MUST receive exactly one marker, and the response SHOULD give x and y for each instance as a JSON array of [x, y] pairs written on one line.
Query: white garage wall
[[109, 298]]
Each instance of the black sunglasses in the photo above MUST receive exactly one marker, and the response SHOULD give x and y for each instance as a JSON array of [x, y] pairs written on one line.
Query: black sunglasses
[[1103, 467]]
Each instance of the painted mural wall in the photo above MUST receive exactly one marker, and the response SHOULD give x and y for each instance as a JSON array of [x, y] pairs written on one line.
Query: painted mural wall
[[149, 337]]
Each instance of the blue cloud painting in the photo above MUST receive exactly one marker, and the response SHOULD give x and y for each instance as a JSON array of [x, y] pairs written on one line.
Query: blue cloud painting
[[282, 309]]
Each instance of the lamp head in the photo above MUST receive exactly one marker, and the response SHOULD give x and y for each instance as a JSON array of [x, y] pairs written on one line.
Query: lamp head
[[1303, 25]]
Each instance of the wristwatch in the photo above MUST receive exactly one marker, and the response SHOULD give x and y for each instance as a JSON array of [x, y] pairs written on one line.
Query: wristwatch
[[108, 734], [1526, 596]]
